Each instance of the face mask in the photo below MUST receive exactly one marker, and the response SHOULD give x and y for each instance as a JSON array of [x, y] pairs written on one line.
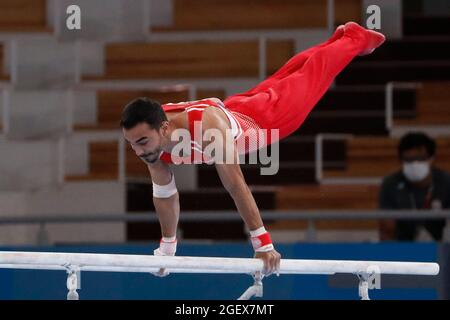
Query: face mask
[[416, 171]]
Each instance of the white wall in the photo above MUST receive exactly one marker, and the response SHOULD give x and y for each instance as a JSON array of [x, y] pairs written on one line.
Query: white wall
[[110, 20], [37, 114], [6, 58], [13, 204], [76, 148], [94, 198], [161, 13], [92, 61], [85, 107], [43, 63], [1, 110], [28, 165], [76, 156]]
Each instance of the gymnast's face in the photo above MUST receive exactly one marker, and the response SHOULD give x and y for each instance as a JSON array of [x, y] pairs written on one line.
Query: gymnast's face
[[146, 142]]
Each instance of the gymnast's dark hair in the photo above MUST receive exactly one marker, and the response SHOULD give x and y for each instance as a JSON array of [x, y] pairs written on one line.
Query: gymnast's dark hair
[[415, 140], [143, 110]]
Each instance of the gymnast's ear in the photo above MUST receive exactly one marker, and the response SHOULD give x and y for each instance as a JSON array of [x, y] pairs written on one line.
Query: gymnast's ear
[[164, 128]]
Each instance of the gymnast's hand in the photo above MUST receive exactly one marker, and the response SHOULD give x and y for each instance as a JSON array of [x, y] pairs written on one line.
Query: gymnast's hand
[[271, 261]]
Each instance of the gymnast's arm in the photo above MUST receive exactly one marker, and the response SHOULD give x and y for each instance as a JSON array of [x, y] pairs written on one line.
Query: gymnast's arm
[[165, 198], [233, 181]]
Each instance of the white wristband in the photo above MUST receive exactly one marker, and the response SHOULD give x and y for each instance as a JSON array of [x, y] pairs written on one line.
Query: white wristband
[[165, 191], [258, 232], [266, 248]]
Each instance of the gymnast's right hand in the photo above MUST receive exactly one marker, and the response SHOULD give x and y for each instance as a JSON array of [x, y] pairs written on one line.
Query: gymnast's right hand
[[167, 247], [264, 249], [271, 261]]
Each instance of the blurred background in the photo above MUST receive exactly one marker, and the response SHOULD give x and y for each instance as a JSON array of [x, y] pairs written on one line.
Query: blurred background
[[68, 181]]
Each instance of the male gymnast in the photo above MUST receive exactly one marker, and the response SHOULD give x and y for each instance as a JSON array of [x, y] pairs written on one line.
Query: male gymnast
[[280, 102]]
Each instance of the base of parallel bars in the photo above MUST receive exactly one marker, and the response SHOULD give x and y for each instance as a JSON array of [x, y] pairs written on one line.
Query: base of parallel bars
[[363, 286], [73, 282], [256, 290]]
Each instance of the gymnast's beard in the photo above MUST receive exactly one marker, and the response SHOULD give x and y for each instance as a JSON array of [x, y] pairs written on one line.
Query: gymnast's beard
[[151, 157]]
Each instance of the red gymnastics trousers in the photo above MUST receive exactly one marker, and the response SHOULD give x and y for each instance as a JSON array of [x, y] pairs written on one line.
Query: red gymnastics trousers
[[285, 99]]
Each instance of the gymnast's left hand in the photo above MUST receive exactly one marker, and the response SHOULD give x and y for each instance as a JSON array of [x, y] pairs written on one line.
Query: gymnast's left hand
[[271, 261]]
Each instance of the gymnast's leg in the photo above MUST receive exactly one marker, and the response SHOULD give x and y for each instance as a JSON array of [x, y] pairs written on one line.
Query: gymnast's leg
[[284, 103]]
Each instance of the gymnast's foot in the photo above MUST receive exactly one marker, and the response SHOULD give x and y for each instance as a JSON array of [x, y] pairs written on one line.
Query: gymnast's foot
[[338, 33], [373, 39]]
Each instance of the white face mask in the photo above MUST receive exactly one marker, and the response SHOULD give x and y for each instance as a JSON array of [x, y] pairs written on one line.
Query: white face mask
[[416, 171]]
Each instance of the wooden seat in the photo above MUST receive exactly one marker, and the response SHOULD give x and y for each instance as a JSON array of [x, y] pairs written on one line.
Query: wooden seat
[[90, 177], [110, 103], [382, 72], [286, 175], [258, 14], [23, 16], [327, 197], [377, 157], [191, 60], [103, 156], [3, 75], [322, 225], [348, 10], [433, 105], [135, 168], [103, 162], [323, 197]]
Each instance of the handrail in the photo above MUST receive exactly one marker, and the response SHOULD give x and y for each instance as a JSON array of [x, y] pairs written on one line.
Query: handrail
[[389, 96], [319, 139], [230, 215]]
